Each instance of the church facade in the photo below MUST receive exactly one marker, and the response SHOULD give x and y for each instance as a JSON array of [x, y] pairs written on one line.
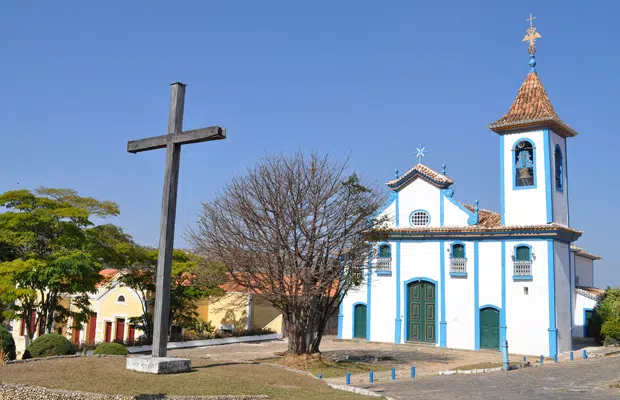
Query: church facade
[[459, 276]]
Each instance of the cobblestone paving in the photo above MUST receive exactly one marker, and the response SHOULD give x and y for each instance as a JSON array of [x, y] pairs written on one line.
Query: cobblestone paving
[[596, 378]]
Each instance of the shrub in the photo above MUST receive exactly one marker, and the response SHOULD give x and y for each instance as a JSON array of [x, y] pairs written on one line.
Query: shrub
[[49, 345], [611, 332], [7, 345], [111, 349]]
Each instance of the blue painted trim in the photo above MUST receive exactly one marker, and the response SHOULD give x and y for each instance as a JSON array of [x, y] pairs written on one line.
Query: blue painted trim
[[405, 284], [368, 295], [459, 274], [548, 176], [391, 199], [398, 322], [381, 244], [384, 273], [397, 211], [557, 151], [502, 202], [584, 320], [553, 332], [502, 314], [441, 209], [482, 307], [420, 210], [340, 320], [514, 164], [442, 274], [470, 214], [410, 176], [570, 294], [566, 179], [522, 277], [353, 317], [514, 250], [477, 295]]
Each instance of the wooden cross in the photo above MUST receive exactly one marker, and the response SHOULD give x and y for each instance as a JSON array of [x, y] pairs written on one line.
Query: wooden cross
[[172, 141]]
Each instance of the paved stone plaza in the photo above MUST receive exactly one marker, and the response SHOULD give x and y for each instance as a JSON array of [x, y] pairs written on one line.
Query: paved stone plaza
[[597, 378]]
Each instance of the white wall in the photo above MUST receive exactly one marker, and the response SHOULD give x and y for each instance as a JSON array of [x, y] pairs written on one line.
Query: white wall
[[352, 297], [383, 304], [525, 206], [560, 205], [460, 313], [584, 269], [562, 297], [527, 315], [453, 215], [419, 195], [581, 303], [490, 270]]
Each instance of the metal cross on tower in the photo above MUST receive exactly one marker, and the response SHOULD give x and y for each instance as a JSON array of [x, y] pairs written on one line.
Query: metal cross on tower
[[172, 142]]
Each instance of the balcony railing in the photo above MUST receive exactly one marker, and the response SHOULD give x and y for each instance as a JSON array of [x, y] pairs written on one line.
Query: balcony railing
[[522, 267], [383, 264], [458, 265]]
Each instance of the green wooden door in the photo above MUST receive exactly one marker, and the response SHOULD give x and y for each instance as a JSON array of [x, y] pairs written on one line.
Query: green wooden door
[[421, 315], [587, 327], [489, 328], [359, 321]]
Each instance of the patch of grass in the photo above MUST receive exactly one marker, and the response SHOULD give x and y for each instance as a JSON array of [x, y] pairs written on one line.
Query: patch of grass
[[483, 365], [109, 376], [315, 364]]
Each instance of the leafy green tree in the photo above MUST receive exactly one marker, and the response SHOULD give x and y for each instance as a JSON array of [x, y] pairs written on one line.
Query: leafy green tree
[[193, 279], [51, 249], [607, 309]]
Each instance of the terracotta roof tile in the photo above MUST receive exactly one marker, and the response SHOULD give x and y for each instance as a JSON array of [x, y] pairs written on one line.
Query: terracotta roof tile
[[424, 172], [486, 218], [532, 108], [591, 292], [584, 253]]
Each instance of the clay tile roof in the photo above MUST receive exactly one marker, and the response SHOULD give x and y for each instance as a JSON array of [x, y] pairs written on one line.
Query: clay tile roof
[[532, 108], [591, 292], [107, 275], [424, 172], [584, 253], [486, 218]]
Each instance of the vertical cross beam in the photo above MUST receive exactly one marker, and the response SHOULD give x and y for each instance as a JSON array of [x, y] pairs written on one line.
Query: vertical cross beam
[[168, 216]]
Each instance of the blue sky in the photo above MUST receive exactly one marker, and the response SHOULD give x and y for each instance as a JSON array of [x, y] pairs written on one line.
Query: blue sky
[[373, 80]]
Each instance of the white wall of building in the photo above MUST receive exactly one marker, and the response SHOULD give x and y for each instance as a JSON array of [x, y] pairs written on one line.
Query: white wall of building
[[584, 269], [419, 195], [527, 315], [562, 296], [524, 206], [560, 205], [490, 270], [582, 303], [460, 313], [357, 295], [453, 214]]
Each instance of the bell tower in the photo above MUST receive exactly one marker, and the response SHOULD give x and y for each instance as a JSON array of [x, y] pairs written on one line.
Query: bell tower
[[533, 161]]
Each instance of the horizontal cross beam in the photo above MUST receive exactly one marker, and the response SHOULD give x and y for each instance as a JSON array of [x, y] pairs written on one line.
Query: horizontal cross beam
[[160, 142]]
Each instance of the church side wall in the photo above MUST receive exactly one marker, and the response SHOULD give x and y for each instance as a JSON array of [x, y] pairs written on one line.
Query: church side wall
[[585, 271], [419, 195], [383, 306], [453, 215], [582, 304], [354, 296], [524, 206], [490, 271], [560, 203], [562, 297], [527, 315]]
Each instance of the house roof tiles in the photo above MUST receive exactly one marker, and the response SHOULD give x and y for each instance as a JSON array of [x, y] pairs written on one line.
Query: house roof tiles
[[424, 172]]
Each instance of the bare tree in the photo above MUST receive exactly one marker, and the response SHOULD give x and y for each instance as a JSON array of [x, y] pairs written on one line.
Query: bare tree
[[294, 229]]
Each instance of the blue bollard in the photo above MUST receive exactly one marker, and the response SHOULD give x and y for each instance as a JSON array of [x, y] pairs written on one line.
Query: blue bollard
[[555, 358], [505, 361], [348, 378], [393, 373], [541, 360], [572, 357], [524, 359], [412, 371], [371, 377], [585, 354], [320, 376]]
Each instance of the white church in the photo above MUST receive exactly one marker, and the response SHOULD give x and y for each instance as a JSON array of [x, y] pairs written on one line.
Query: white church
[[457, 276]]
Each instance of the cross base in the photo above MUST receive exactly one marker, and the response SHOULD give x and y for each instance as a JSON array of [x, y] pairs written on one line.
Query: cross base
[[159, 365]]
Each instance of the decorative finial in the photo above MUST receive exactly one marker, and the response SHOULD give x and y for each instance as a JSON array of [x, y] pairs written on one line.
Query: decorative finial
[[421, 153], [443, 169], [396, 173], [531, 37]]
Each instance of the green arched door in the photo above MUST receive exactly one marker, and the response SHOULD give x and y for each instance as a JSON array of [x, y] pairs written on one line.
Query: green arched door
[[489, 328], [359, 321], [421, 312]]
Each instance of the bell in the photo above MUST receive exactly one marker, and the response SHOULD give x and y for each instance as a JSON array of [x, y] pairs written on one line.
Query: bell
[[524, 173]]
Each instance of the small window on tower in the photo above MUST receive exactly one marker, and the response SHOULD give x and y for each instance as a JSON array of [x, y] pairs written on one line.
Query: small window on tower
[[524, 163], [559, 169]]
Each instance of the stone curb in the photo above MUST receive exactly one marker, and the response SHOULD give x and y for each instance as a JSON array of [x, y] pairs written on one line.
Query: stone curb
[[208, 342], [14, 391], [58, 357], [469, 371]]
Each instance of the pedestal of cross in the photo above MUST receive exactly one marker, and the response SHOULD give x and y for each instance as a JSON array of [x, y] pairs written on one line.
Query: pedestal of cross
[[172, 142]]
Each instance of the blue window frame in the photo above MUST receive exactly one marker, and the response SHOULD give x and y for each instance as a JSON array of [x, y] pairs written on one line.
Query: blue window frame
[[559, 169], [385, 251], [457, 250], [524, 164]]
